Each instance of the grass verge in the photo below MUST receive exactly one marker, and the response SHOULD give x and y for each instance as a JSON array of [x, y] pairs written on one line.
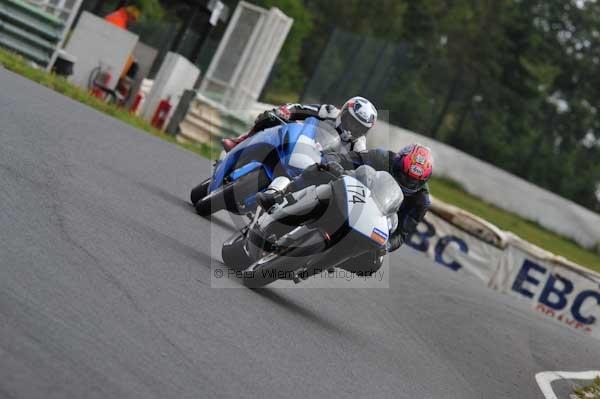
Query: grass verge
[[445, 190], [589, 392]]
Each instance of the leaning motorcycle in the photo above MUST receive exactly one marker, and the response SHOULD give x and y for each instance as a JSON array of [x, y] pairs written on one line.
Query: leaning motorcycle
[[250, 167], [317, 228]]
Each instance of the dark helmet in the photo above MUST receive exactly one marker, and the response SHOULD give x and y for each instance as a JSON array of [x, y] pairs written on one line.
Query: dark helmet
[[356, 117]]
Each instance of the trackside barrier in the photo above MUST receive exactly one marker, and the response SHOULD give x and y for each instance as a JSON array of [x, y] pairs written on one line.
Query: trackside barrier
[[554, 287], [208, 122], [499, 187], [29, 31]]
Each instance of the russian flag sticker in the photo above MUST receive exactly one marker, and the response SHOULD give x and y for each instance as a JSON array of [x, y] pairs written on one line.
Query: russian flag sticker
[[379, 236]]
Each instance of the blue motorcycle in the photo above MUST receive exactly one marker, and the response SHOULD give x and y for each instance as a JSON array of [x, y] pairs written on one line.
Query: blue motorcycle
[[252, 165]]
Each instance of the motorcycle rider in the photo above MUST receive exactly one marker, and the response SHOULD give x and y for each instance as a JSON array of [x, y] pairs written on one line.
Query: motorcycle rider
[[352, 121], [411, 167]]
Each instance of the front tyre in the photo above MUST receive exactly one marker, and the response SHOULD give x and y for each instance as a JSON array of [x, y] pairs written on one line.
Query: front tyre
[[213, 202], [284, 263], [264, 272], [199, 192], [231, 195]]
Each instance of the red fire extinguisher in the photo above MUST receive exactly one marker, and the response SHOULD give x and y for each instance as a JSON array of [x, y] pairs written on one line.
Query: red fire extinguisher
[[161, 113], [136, 103]]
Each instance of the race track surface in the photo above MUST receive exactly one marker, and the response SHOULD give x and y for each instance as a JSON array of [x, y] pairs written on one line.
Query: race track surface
[[105, 290]]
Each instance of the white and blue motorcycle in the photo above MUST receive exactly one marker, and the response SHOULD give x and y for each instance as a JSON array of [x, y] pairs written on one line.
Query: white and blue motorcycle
[[318, 228], [252, 165]]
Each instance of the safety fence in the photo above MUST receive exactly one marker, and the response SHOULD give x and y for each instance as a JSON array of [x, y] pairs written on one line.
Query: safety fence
[[30, 31], [553, 286]]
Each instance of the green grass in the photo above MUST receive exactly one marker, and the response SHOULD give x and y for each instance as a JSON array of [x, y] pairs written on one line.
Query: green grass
[[444, 190], [452, 193], [589, 392]]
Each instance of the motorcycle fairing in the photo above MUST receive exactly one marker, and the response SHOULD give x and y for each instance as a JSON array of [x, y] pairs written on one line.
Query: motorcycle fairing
[[271, 148]]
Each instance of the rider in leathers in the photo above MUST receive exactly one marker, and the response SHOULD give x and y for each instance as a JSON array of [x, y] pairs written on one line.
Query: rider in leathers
[[353, 136], [411, 167]]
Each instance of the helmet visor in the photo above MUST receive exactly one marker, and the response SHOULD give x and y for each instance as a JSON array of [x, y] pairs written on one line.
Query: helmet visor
[[351, 124], [408, 182]]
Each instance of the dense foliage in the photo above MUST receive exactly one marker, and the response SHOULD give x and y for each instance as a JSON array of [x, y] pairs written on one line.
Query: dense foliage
[[513, 82]]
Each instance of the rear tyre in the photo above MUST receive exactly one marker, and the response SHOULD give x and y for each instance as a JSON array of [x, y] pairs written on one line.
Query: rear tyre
[[199, 191], [234, 254]]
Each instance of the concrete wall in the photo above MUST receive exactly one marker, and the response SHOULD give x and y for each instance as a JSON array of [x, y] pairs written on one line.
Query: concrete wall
[[144, 56], [95, 42], [500, 188], [176, 75]]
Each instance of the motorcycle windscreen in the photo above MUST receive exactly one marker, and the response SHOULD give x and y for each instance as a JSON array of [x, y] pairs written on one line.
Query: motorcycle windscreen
[[385, 191], [327, 138], [300, 150], [257, 148]]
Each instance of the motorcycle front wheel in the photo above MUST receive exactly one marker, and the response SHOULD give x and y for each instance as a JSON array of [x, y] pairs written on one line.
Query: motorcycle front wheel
[[232, 194], [283, 265], [234, 253], [199, 191]]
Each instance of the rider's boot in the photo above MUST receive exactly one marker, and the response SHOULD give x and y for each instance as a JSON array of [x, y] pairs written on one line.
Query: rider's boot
[[230, 143]]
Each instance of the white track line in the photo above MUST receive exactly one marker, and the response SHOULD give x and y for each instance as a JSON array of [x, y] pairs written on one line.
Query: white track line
[[545, 379]]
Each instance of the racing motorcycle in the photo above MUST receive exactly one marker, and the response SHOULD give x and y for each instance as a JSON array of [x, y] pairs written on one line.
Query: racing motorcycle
[[318, 228], [284, 150]]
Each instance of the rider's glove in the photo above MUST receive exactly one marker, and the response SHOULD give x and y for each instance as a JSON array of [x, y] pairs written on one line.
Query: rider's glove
[[328, 111], [317, 174], [283, 112], [332, 167]]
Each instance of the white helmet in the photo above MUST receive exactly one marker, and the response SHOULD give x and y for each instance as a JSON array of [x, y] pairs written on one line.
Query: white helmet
[[355, 119]]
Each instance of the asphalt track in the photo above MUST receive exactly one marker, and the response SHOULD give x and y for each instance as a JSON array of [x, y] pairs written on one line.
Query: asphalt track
[[105, 290]]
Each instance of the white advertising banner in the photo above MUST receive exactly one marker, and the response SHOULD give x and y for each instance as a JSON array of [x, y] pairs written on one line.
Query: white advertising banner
[[555, 287], [568, 295], [456, 248]]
